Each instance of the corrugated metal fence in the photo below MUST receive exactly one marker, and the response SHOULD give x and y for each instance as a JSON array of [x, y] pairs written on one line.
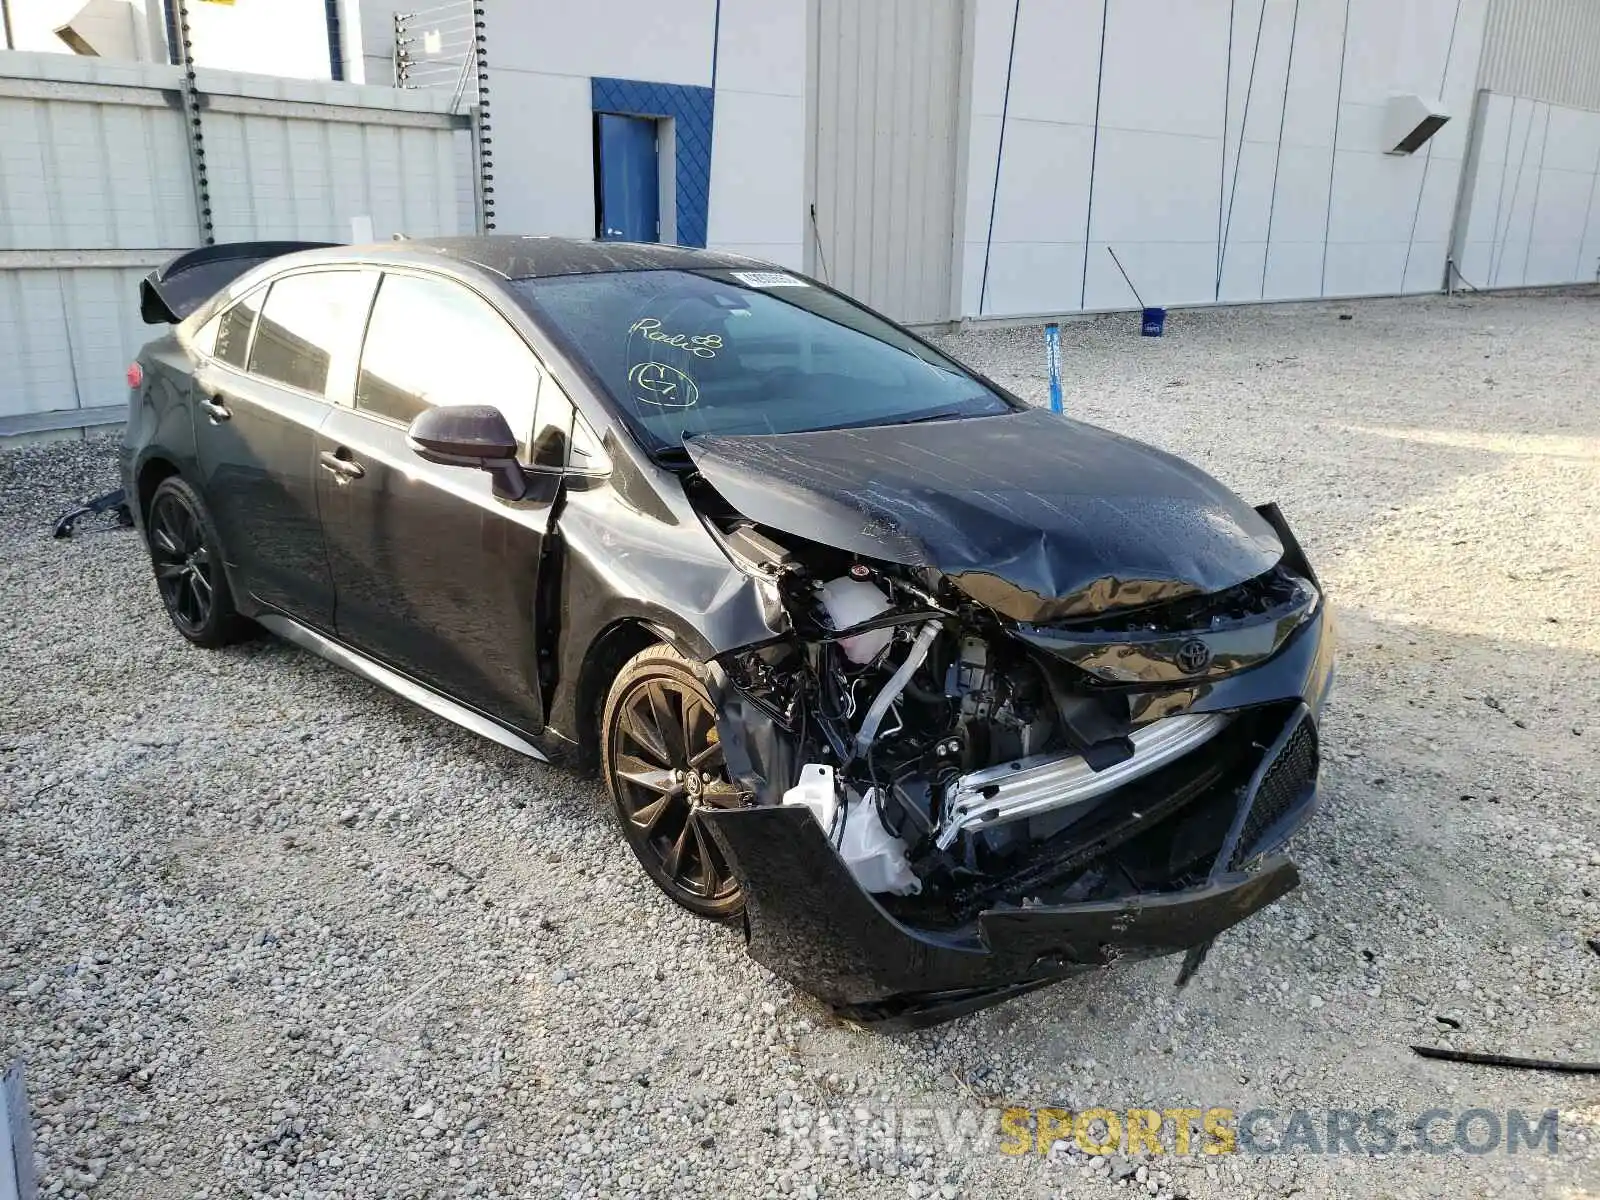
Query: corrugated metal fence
[[96, 187], [1543, 49]]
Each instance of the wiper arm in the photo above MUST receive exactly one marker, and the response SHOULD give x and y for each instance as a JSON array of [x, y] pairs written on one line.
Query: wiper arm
[[673, 456]]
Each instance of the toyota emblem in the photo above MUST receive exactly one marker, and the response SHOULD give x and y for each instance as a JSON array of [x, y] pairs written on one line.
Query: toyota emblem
[[1194, 656]]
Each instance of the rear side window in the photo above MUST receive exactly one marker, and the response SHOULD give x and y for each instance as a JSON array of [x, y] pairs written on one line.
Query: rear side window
[[309, 321], [233, 329], [432, 343]]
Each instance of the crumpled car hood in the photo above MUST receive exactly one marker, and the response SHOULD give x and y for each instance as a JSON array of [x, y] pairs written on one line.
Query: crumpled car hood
[[1040, 517]]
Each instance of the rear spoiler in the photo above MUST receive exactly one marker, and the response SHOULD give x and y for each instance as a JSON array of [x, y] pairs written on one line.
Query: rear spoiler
[[171, 292]]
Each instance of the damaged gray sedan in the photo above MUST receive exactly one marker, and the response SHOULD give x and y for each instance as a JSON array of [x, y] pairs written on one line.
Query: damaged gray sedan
[[943, 696]]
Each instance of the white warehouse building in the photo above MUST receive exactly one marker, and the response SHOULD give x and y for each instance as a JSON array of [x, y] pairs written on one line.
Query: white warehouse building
[[943, 160], [950, 159]]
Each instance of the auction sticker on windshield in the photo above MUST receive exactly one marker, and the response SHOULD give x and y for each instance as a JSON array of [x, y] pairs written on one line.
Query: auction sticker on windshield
[[768, 279]]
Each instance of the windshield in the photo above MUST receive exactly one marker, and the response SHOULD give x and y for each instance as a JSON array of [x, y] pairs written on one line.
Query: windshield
[[685, 353]]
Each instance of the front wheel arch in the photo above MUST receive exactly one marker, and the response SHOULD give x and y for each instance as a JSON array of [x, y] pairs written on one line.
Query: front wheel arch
[[607, 653], [610, 651]]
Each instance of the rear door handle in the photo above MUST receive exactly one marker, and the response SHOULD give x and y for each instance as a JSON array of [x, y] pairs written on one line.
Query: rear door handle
[[215, 408], [341, 466]]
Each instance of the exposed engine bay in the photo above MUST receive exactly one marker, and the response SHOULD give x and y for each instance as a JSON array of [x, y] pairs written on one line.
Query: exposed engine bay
[[950, 753], [1032, 698]]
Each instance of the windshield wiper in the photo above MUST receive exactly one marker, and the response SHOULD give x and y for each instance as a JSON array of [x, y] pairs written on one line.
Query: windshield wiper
[[938, 416], [673, 456]]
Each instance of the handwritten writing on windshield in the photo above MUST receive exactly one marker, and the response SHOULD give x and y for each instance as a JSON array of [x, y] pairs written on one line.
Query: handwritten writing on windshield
[[703, 345], [662, 385]]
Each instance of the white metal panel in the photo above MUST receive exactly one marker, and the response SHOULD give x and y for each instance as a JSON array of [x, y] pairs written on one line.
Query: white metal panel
[[759, 132], [1159, 51], [1056, 41], [761, 47], [69, 334], [624, 39], [887, 87], [275, 177], [988, 54], [1042, 196], [1529, 214], [757, 173], [1311, 83], [1208, 133], [1260, 66], [544, 172], [462, 166], [75, 175], [1543, 50], [759, 137], [95, 189]]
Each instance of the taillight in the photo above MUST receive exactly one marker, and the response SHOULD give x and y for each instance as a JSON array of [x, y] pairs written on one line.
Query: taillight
[[135, 375]]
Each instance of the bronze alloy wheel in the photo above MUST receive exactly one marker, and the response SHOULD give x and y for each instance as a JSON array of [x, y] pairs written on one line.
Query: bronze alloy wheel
[[663, 762]]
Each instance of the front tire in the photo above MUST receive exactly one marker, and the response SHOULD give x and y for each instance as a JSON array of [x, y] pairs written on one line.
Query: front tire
[[186, 555], [662, 761]]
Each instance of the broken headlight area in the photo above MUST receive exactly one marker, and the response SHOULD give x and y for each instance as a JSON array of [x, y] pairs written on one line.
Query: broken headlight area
[[1197, 637], [960, 764]]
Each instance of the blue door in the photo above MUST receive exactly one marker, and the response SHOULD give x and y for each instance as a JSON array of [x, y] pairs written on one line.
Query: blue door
[[630, 195]]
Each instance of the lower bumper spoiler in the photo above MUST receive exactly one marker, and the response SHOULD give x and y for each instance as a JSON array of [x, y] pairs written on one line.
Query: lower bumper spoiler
[[808, 921]]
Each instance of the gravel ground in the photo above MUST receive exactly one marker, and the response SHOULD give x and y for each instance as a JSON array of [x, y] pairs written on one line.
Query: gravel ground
[[268, 931]]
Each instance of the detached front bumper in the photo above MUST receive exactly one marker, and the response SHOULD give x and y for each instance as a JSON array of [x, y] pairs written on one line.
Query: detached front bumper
[[808, 921]]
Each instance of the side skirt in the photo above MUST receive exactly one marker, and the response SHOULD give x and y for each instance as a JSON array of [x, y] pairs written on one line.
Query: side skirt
[[359, 664]]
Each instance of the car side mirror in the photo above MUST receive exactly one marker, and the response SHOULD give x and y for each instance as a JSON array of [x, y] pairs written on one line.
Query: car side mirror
[[471, 435]]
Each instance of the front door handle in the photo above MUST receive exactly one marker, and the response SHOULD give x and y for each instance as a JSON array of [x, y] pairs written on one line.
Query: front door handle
[[343, 467], [215, 409]]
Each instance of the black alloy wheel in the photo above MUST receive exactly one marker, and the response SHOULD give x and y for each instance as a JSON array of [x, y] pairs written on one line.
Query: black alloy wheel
[[663, 762], [185, 554]]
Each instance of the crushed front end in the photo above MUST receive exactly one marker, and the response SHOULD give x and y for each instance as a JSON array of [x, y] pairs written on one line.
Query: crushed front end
[[961, 788]]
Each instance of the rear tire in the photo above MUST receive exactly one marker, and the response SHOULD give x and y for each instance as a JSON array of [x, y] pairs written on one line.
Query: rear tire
[[186, 555], [662, 761]]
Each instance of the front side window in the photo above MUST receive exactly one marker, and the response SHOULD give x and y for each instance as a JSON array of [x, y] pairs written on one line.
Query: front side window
[[587, 454], [431, 342], [684, 353], [308, 321], [552, 428], [233, 329], [562, 439]]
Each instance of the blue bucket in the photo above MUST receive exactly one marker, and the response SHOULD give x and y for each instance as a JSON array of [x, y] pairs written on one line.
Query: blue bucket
[[1154, 322]]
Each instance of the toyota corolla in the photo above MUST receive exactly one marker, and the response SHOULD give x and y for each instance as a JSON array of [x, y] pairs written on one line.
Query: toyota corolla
[[941, 696]]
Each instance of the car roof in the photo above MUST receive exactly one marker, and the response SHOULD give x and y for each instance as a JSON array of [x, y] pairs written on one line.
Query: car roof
[[518, 257]]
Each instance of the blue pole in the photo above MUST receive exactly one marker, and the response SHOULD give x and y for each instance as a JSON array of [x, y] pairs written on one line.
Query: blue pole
[[1052, 354]]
